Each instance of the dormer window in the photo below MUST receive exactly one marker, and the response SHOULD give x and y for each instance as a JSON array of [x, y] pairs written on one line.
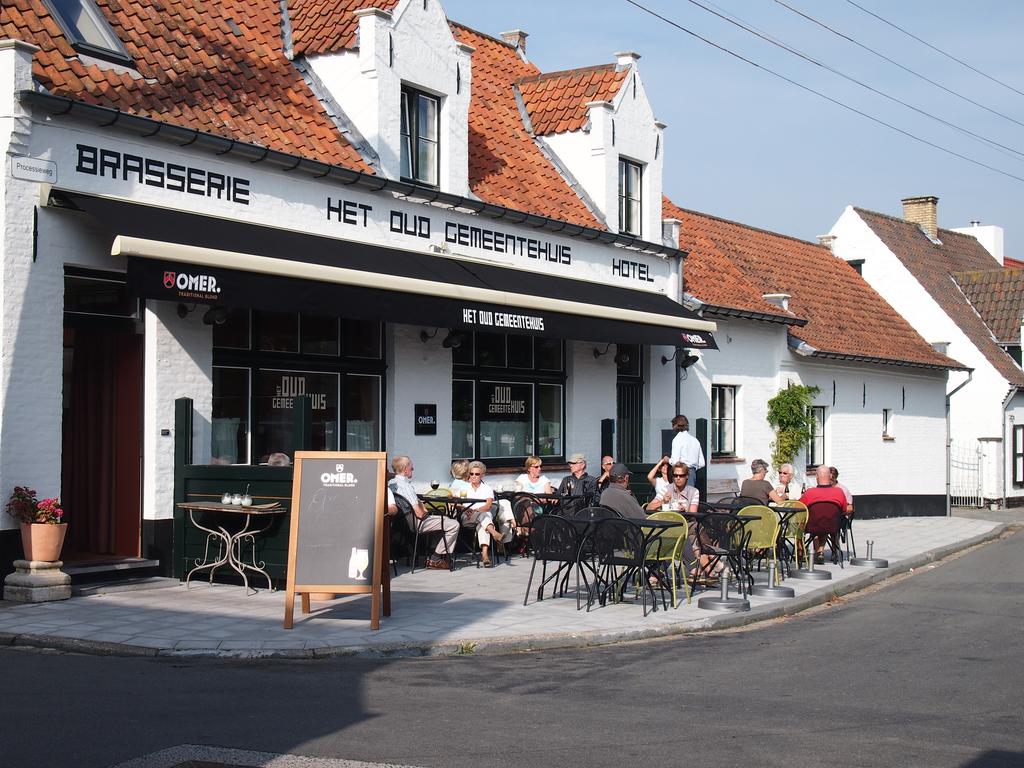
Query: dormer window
[[87, 30], [420, 130], [630, 176]]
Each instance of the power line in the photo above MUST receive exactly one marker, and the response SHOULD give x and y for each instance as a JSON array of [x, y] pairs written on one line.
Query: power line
[[829, 99], [736, 21], [934, 48], [950, 91]]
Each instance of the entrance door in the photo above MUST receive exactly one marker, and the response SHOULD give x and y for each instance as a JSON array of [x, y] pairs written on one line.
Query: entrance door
[[102, 447]]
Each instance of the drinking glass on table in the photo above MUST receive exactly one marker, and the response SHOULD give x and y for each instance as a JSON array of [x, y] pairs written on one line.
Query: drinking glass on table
[[434, 485], [463, 494]]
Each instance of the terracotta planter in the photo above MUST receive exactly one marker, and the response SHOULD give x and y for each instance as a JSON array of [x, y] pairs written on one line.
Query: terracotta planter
[[43, 541], [322, 596]]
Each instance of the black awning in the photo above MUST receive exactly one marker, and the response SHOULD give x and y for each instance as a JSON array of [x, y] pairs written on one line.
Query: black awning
[[180, 256]]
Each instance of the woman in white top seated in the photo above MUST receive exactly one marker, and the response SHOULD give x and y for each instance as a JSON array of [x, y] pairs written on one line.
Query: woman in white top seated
[[532, 481], [481, 514]]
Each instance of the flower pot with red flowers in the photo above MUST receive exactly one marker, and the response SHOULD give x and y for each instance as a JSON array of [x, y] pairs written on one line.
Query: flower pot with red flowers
[[42, 524]]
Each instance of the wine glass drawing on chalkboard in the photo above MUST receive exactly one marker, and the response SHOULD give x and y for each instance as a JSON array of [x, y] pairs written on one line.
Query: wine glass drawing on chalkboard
[[358, 563]]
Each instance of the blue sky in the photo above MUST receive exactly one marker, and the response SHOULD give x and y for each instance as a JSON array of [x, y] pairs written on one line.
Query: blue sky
[[744, 145]]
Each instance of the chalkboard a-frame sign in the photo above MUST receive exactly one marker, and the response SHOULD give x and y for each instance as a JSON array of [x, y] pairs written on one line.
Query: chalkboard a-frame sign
[[337, 529]]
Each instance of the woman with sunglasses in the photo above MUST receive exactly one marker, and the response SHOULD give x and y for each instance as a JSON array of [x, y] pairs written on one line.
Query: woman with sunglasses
[[679, 496], [480, 515]]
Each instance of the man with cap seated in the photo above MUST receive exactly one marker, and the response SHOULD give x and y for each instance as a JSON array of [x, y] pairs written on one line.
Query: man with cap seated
[[617, 495]]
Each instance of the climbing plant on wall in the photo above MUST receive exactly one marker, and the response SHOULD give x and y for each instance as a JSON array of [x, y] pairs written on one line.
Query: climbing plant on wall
[[789, 414]]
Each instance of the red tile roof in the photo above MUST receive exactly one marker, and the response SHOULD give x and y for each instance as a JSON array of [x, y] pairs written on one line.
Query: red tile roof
[[1012, 263], [195, 71], [998, 296], [506, 167], [933, 265], [557, 101], [322, 26], [732, 265]]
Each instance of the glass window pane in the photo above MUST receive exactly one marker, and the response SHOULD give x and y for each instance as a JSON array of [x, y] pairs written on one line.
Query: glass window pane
[[86, 21], [273, 410], [230, 421], [490, 350], [549, 420], [406, 142], [520, 351], [233, 333], [627, 359], [462, 419], [506, 419], [426, 168], [426, 124], [549, 354], [362, 338], [362, 413], [319, 335], [463, 354], [96, 296], [278, 331]]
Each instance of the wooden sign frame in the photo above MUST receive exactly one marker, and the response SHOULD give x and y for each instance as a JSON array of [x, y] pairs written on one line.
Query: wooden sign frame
[[380, 589]]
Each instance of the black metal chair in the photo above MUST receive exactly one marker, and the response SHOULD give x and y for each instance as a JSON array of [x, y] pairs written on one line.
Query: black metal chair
[[617, 551], [721, 536], [825, 518], [553, 540], [846, 534], [572, 505], [414, 525]]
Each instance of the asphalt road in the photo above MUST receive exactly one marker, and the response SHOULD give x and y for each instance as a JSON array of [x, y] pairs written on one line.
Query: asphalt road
[[926, 671]]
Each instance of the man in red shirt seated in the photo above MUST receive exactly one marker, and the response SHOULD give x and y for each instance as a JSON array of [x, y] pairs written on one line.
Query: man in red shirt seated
[[824, 491]]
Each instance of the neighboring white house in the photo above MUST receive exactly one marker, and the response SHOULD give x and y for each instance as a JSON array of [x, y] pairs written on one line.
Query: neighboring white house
[[931, 276], [788, 311]]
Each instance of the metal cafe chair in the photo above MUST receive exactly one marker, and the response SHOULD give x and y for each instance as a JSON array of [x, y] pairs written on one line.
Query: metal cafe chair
[[825, 518], [791, 542], [415, 525], [669, 547], [762, 537], [553, 540], [618, 552], [721, 538]]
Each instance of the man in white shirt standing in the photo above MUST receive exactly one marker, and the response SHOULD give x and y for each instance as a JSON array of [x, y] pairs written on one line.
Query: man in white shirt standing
[[686, 448]]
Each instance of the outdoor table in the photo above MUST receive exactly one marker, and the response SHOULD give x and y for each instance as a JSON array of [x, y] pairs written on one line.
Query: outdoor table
[[231, 541], [548, 502], [454, 506]]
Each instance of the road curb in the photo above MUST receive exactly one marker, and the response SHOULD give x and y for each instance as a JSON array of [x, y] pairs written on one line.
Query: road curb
[[526, 643]]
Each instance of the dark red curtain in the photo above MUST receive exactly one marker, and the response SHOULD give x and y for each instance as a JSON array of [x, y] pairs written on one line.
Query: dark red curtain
[[90, 428]]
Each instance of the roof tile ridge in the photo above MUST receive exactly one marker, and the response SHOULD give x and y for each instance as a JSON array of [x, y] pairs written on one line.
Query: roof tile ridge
[[1005, 271], [746, 226], [565, 73], [484, 35]]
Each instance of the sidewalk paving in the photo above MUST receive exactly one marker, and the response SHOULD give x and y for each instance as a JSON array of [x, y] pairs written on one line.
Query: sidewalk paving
[[435, 612]]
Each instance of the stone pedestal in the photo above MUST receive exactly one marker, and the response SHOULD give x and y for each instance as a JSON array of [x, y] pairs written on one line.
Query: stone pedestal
[[37, 581]]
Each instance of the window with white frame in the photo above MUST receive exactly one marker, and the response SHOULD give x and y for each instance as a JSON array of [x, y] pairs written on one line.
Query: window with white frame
[[887, 422], [816, 445], [723, 420], [88, 30], [630, 176], [420, 157]]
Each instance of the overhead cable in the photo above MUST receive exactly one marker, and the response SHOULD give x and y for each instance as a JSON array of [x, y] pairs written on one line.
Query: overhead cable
[[934, 48], [882, 56], [821, 95]]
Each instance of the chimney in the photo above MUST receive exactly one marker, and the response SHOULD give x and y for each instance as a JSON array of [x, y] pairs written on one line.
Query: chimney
[[624, 59], [780, 300], [516, 38], [922, 211], [826, 241]]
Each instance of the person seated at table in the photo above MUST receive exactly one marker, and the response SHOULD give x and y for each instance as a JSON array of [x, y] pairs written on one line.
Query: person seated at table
[[823, 491], [659, 476], [678, 496], [578, 482], [402, 485], [834, 474], [460, 469], [617, 495], [602, 480], [756, 487], [480, 515], [787, 488], [532, 481]]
